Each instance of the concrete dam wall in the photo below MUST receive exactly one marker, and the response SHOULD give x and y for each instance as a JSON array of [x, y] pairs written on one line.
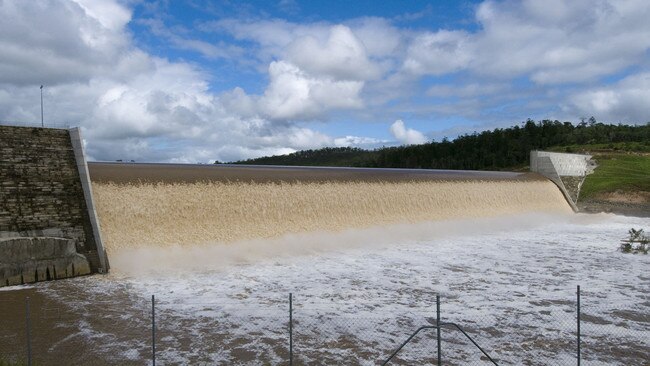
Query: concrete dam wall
[[166, 205], [567, 171], [47, 226]]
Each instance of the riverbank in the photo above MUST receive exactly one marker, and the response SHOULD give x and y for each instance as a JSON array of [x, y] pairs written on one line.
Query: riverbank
[[621, 203]]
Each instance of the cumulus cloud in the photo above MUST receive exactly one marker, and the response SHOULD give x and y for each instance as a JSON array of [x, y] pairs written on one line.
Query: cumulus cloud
[[559, 41], [53, 42], [136, 105], [439, 53], [551, 42], [342, 56], [293, 94], [132, 105], [626, 101], [406, 135]]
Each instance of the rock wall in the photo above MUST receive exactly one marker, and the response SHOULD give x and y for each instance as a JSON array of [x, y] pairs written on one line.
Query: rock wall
[[41, 192]]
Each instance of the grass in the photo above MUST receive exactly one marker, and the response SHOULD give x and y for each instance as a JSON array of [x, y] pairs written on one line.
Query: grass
[[618, 172], [5, 362], [614, 147], [622, 167]]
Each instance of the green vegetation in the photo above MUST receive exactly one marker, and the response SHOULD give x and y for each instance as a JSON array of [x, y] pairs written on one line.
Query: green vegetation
[[637, 242], [499, 149], [5, 362], [618, 172], [329, 156], [618, 147], [621, 151]]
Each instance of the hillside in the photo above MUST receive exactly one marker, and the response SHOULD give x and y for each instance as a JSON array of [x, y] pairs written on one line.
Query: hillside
[[499, 149], [620, 183]]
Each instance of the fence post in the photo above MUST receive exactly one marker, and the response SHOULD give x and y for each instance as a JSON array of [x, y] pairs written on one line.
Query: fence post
[[28, 327], [153, 329], [290, 329], [438, 329], [578, 322]]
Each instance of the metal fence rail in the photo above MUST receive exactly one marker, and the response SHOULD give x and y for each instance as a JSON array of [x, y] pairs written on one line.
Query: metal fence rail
[[314, 332]]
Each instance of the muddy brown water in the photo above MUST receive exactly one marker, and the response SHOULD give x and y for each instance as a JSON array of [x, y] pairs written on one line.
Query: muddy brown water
[[64, 334], [103, 172], [145, 205]]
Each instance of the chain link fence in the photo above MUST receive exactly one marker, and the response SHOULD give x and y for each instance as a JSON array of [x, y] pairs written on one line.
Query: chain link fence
[[320, 330], [46, 124]]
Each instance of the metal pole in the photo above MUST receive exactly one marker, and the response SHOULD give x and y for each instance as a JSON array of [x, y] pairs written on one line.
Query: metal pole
[[290, 329], [578, 321], [42, 124], [28, 326], [438, 330], [153, 330]]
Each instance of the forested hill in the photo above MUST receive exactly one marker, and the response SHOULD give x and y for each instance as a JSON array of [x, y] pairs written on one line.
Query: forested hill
[[506, 148]]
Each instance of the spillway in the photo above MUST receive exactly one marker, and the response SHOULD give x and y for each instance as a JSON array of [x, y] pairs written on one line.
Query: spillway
[[177, 205]]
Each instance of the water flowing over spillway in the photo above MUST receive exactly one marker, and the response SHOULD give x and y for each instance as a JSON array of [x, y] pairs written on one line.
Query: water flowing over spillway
[[155, 212]]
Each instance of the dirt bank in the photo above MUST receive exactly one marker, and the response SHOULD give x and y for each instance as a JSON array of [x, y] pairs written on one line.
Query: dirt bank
[[619, 202]]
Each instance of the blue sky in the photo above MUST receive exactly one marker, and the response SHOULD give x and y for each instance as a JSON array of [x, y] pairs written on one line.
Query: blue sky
[[194, 81]]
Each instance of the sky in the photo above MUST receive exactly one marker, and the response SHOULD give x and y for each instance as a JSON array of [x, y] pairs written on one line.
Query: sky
[[197, 81]]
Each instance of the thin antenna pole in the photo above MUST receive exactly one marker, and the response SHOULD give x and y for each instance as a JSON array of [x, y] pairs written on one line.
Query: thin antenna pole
[[42, 124]]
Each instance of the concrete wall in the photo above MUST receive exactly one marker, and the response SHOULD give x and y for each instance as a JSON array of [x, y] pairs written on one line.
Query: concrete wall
[[569, 165], [567, 171], [84, 177], [24, 260], [41, 191]]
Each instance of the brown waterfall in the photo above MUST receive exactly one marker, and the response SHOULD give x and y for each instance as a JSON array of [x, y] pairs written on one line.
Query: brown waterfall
[[140, 213]]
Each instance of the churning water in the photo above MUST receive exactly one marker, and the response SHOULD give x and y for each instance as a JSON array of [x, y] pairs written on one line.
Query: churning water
[[509, 281]]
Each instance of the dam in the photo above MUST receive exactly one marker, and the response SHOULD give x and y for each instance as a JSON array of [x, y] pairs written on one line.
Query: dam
[[62, 217], [364, 252], [176, 205]]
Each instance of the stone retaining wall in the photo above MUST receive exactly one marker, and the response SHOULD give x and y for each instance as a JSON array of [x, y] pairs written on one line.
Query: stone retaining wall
[[41, 193]]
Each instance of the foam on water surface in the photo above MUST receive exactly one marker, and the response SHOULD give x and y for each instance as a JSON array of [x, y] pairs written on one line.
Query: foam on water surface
[[510, 280]]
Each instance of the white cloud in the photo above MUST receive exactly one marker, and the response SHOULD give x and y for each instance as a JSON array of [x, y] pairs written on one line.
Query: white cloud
[[51, 42], [111, 15], [626, 101], [439, 53], [358, 141], [379, 37], [466, 90], [134, 105], [406, 135], [293, 94], [342, 56], [561, 41]]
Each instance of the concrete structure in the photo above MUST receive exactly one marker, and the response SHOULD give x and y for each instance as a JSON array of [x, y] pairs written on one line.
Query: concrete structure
[[45, 196], [84, 176], [24, 260], [567, 171]]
